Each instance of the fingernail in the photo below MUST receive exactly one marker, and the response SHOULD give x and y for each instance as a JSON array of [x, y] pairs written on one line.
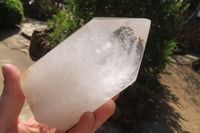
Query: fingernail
[[3, 69]]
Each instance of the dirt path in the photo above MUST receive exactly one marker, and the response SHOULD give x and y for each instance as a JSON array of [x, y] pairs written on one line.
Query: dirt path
[[184, 83]]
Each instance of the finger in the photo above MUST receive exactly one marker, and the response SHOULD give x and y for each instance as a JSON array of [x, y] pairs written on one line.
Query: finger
[[115, 97], [32, 126], [85, 125], [103, 113], [12, 99]]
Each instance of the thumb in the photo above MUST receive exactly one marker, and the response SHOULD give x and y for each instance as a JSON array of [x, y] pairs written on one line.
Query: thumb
[[12, 99]]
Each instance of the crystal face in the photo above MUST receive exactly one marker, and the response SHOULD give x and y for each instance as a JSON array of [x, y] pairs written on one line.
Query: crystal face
[[87, 69]]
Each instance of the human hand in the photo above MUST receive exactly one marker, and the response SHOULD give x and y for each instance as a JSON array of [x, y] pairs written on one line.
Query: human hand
[[12, 100]]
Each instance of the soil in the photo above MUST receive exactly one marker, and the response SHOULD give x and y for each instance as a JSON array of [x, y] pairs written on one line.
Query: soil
[[184, 84]]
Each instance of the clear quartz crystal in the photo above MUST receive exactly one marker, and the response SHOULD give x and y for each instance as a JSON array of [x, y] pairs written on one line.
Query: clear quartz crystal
[[87, 69]]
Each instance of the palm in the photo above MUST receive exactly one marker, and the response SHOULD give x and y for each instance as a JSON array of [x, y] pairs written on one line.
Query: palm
[[32, 126], [12, 101]]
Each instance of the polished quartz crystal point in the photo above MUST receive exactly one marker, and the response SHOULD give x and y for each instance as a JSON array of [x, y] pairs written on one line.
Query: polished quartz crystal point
[[87, 69]]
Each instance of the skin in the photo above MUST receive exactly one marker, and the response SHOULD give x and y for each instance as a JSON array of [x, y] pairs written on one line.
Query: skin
[[12, 101]]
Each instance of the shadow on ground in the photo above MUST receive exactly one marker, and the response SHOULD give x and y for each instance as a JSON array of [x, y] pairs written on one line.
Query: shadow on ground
[[184, 77], [8, 32], [145, 110]]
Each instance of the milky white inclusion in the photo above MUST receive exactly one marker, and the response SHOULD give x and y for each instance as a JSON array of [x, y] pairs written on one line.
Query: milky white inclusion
[[87, 69]]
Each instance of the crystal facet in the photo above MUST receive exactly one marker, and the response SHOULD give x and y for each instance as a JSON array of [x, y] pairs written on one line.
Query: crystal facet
[[87, 69]]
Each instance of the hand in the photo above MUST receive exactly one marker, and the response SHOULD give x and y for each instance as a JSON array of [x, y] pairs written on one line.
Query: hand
[[12, 100]]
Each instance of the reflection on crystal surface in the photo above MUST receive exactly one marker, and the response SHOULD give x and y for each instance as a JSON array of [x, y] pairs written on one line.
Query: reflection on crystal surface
[[90, 67]]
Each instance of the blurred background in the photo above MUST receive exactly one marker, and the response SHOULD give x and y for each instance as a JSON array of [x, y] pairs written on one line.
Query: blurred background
[[166, 96]]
